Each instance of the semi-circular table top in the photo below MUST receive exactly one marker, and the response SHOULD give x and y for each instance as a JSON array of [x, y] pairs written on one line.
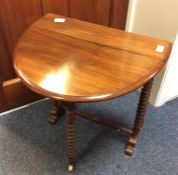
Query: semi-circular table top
[[72, 60]]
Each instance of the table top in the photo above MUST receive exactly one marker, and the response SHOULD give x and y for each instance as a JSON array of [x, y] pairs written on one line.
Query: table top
[[77, 61]]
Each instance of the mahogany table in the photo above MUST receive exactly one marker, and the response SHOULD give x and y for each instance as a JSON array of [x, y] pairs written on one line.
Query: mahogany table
[[72, 61]]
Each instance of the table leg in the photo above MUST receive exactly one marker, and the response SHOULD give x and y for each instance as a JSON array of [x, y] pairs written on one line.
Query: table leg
[[70, 137], [56, 111], [139, 119]]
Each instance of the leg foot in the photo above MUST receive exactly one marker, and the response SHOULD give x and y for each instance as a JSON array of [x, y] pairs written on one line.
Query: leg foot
[[131, 145], [70, 168]]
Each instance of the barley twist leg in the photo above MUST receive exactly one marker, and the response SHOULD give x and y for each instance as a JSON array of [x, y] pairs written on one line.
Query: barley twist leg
[[139, 119], [56, 111], [70, 139]]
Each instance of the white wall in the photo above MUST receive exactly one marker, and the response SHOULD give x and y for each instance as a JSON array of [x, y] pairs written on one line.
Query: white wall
[[168, 88], [156, 18], [159, 19]]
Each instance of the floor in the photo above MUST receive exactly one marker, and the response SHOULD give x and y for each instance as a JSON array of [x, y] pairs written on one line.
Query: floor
[[29, 145]]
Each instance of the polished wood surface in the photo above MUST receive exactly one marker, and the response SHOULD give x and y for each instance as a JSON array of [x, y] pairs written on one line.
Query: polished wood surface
[[17, 15], [83, 62]]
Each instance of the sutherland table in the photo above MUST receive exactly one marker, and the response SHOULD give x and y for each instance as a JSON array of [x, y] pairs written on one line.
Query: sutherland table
[[73, 61]]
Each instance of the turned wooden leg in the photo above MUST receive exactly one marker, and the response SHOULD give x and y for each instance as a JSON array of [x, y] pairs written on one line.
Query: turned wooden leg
[[56, 111], [70, 139], [139, 119]]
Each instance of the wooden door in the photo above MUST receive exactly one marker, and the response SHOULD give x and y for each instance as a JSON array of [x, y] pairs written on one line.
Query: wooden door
[[17, 15], [61, 7], [111, 13], [96, 11], [119, 13]]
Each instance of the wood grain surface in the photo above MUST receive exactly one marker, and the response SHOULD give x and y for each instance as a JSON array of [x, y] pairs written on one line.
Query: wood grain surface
[[118, 15], [96, 11], [83, 62], [61, 7]]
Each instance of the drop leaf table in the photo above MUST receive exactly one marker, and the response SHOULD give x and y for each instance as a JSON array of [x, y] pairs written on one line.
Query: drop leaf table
[[72, 61]]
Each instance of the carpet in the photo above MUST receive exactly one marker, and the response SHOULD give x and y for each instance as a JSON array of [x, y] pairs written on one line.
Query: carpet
[[29, 145]]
